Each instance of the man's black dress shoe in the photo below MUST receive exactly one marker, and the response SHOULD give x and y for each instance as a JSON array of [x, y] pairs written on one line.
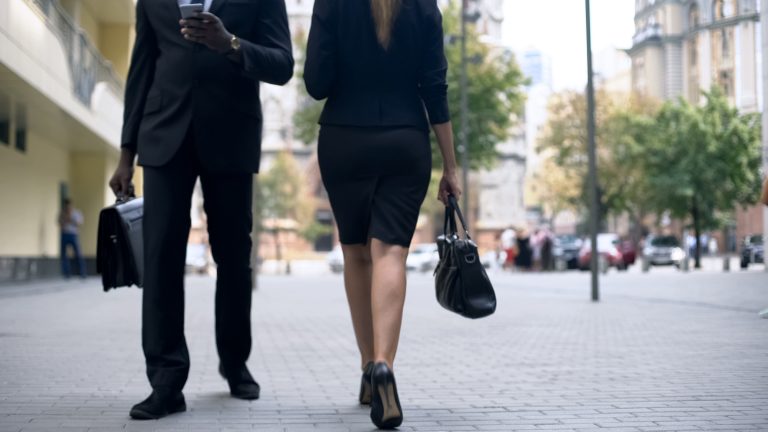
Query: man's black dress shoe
[[158, 405], [386, 412], [241, 383]]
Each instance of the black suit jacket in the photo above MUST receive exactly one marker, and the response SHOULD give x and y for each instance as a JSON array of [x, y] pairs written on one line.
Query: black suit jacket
[[367, 85], [173, 83]]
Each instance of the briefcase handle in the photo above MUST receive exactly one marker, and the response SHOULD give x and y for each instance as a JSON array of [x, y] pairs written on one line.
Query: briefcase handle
[[122, 199]]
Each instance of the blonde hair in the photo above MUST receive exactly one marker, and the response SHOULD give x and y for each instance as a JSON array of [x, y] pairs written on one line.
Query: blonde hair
[[384, 14]]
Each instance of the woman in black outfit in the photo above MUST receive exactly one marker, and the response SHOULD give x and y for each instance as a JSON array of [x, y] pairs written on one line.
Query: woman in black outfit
[[379, 63]]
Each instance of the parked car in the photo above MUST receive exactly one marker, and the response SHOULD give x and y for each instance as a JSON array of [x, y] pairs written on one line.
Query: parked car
[[422, 257], [566, 250], [335, 259], [628, 252], [752, 250], [197, 258], [663, 250], [607, 247]]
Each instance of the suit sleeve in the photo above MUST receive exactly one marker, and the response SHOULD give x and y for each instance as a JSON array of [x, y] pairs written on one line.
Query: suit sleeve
[[434, 68], [269, 57], [140, 76], [320, 64]]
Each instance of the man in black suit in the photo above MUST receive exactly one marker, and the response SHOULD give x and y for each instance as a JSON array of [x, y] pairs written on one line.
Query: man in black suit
[[192, 110]]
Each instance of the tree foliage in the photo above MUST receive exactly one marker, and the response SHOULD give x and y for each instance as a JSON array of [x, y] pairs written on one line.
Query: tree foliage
[[705, 162], [696, 162], [285, 202], [624, 129]]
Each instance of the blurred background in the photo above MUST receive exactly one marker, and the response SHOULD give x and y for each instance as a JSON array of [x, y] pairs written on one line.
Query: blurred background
[[679, 96]]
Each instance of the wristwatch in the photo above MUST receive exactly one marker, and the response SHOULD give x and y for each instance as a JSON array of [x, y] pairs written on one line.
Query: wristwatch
[[234, 44]]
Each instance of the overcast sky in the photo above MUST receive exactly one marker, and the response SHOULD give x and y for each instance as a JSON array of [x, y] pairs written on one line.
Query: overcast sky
[[557, 28]]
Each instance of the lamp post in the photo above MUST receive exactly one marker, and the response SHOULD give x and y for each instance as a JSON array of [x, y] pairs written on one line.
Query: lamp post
[[593, 204], [464, 126]]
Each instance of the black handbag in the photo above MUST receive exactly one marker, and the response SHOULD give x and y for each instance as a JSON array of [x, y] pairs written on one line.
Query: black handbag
[[120, 246], [461, 283]]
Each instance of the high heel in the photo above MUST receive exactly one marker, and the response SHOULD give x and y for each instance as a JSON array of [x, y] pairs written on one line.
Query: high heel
[[365, 385], [386, 412]]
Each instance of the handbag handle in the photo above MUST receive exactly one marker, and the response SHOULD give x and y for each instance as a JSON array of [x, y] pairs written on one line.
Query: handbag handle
[[449, 226], [454, 207]]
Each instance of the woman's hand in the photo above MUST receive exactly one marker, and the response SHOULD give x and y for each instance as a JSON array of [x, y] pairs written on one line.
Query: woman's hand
[[449, 185]]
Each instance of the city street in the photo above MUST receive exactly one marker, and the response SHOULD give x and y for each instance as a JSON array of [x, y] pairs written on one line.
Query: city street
[[663, 351]]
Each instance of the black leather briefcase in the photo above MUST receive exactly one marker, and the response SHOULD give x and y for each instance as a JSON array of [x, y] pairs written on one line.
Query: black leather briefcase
[[120, 248], [461, 283]]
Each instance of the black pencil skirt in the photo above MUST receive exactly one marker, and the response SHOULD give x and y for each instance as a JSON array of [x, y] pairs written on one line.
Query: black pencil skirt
[[377, 179]]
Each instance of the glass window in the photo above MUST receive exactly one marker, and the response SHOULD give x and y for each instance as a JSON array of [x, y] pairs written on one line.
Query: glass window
[[693, 16], [21, 128], [5, 120]]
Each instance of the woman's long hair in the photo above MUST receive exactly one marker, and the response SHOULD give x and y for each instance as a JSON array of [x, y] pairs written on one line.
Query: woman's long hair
[[384, 15]]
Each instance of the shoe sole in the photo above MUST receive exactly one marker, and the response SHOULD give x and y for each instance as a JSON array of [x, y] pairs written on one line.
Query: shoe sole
[[138, 414], [245, 397], [385, 410]]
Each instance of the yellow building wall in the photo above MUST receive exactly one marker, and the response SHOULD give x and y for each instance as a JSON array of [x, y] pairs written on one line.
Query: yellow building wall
[[115, 43], [89, 23], [89, 190], [29, 185]]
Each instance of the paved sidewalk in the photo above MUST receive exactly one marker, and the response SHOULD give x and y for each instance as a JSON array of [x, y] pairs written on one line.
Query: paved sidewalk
[[662, 352]]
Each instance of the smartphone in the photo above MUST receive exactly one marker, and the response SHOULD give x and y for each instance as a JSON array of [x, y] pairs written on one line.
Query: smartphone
[[189, 10]]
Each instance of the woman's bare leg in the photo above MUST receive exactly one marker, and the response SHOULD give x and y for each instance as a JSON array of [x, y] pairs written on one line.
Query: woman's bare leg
[[357, 282], [387, 298]]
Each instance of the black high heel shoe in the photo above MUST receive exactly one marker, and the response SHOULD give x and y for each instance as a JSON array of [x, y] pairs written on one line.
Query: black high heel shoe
[[365, 385], [386, 412]]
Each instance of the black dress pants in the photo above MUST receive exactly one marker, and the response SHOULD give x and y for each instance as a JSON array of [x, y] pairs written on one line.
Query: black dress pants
[[167, 201]]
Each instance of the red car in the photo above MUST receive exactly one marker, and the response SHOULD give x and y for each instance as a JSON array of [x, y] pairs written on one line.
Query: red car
[[607, 248], [628, 251]]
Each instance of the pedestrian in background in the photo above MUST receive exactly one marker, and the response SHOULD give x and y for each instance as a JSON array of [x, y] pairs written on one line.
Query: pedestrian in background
[[379, 63], [524, 258], [509, 247], [70, 220]]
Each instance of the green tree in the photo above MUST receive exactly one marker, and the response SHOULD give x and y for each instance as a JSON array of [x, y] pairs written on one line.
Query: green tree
[[624, 129], [495, 94], [705, 162], [285, 204]]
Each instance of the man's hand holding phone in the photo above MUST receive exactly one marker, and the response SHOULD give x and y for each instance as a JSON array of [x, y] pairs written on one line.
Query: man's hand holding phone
[[204, 28]]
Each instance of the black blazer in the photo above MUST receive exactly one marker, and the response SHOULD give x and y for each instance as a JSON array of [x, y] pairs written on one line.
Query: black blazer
[[173, 83], [367, 85]]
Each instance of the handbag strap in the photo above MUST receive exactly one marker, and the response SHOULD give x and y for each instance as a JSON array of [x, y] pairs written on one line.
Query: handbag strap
[[454, 205], [449, 226]]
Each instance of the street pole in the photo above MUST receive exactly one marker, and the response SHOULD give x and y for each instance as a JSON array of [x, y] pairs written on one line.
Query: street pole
[[764, 31], [463, 132], [593, 205]]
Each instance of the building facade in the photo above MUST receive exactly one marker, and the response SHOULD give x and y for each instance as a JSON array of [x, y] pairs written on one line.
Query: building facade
[[62, 68], [682, 47]]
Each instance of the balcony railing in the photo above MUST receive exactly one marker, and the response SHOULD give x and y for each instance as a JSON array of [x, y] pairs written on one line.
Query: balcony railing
[[86, 64], [649, 32]]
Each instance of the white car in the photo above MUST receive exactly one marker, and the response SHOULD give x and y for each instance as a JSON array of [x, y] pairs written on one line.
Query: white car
[[335, 260], [422, 257]]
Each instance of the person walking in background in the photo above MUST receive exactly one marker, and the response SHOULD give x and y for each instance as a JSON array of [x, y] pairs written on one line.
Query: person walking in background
[[509, 247], [192, 110], [70, 220], [524, 258], [379, 63]]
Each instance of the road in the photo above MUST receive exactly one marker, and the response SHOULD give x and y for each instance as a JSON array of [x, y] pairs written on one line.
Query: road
[[663, 351]]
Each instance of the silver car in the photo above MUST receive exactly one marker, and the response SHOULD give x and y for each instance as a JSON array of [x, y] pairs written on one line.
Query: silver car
[[663, 250]]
